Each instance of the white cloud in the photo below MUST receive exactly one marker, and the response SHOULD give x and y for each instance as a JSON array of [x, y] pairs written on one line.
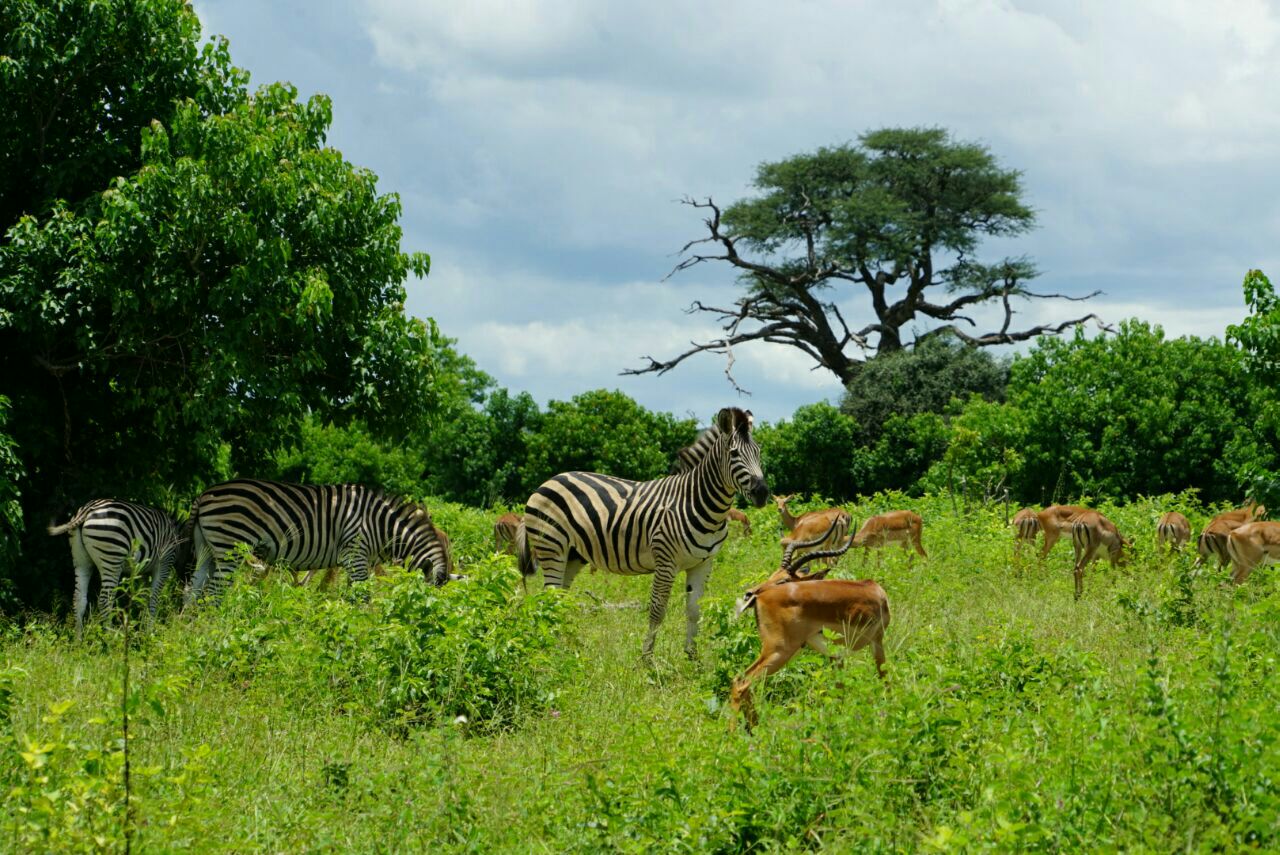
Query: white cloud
[[539, 148]]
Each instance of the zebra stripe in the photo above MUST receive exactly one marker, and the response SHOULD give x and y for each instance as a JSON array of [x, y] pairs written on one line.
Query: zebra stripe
[[672, 524], [311, 527], [108, 533]]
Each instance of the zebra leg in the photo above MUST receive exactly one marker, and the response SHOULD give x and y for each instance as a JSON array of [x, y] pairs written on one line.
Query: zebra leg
[[659, 595], [158, 579], [84, 570], [695, 584], [110, 575]]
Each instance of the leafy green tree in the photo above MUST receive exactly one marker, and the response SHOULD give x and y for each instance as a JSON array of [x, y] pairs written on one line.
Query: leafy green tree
[[603, 431], [811, 453], [479, 457], [1131, 413], [328, 453], [1259, 336], [923, 379], [234, 276], [903, 453], [898, 218], [985, 447], [78, 82]]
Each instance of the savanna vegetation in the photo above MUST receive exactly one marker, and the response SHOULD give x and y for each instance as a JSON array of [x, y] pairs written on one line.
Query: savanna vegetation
[[195, 286], [478, 718]]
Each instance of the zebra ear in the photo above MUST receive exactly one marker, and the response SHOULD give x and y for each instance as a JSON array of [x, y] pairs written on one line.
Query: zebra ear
[[724, 420]]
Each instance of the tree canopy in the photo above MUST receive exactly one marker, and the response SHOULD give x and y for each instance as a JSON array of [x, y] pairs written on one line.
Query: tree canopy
[[898, 220]]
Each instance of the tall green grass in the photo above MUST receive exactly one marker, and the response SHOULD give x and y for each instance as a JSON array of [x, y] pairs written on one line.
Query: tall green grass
[[479, 718]]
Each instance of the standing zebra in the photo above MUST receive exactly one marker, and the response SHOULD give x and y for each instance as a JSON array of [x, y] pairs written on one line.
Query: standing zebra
[[311, 527], [106, 533], [661, 527]]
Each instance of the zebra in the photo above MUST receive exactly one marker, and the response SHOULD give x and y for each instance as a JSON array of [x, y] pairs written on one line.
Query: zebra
[[632, 527], [311, 527], [107, 533]]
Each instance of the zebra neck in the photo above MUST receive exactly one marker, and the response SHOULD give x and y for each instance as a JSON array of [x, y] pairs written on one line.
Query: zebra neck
[[713, 476]]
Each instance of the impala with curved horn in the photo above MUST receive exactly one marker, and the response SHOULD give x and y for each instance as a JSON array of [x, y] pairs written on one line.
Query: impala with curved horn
[[792, 610]]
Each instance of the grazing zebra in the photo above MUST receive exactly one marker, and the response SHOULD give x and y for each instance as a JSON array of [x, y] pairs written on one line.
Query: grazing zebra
[[661, 527], [103, 534], [311, 527]]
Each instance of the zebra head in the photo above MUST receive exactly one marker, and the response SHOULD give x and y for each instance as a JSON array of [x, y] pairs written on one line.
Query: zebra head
[[745, 470], [423, 547]]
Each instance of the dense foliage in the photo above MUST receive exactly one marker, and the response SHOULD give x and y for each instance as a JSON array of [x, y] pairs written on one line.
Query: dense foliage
[[189, 270], [923, 379]]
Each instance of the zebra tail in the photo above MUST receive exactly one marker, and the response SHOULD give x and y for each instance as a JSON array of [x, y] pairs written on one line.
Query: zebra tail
[[62, 529], [524, 558]]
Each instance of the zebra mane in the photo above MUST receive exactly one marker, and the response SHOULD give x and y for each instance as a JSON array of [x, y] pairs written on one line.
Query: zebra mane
[[691, 455]]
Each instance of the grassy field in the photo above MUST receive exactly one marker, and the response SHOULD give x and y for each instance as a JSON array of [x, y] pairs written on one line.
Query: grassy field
[[478, 718]]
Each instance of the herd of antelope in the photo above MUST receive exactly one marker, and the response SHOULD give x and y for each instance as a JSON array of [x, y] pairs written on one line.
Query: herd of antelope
[[1237, 537], [791, 616]]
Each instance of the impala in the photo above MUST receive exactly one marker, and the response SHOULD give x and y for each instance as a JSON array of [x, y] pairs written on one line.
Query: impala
[[1026, 525], [1251, 545], [1173, 530], [735, 514], [1213, 540], [1090, 531], [1055, 521], [902, 527], [835, 522], [792, 611], [504, 533]]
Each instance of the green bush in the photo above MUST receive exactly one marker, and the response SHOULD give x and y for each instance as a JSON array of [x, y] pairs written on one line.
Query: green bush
[[414, 655]]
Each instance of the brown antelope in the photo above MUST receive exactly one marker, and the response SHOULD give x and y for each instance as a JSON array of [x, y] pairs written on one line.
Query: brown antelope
[[1026, 525], [735, 514], [1213, 540], [902, 527], [1173, 530], [793, 610], [834, 521], [504, 533], [1252, 545], [1055, 521], [1090, 531]]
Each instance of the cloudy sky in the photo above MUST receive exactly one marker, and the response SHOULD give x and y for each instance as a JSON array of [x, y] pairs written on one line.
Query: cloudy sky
[[540, 150]]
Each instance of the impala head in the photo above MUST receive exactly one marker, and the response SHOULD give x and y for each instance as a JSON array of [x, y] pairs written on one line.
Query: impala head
[[781, 501], [744, 454]]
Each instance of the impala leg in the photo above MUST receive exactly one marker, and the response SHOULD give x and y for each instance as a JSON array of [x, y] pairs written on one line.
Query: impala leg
[[771, 659], [695, 584], [1050, 538]]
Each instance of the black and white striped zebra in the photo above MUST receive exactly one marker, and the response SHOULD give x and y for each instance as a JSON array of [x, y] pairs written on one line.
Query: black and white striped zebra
[[663, 527], [310, 527], [108, 533]]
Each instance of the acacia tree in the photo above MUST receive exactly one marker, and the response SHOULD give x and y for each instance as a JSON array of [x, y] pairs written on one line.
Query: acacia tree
[[899, 218]]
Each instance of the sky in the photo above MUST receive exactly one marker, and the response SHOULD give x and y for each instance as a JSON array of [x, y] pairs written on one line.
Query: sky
[[541, 150]]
